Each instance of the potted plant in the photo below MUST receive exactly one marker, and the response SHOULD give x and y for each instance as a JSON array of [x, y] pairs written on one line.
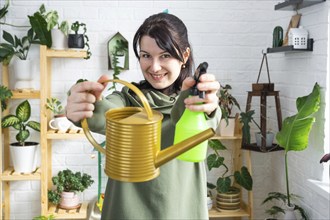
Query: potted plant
[[79, 40], [246, 118], [23, 153], [228, 197], [67, 185], [19, 48], [276, 209], [60, 121], [294, 137], [40, 27], [59, 31], [226, 102]]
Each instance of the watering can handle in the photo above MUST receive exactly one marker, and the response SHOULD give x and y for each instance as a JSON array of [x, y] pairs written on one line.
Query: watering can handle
[[137, 91]]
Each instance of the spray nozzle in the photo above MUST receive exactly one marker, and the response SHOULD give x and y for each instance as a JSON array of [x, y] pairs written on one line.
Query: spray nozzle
[[201, 69]]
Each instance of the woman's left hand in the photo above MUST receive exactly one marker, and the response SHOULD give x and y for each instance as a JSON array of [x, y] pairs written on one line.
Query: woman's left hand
[[210, 85]]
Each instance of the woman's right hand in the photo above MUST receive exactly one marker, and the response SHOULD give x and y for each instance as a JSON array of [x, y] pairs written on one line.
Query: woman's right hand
[[80, 102]]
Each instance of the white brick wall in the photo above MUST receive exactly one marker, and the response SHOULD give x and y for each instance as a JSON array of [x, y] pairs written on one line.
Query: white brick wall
[[230, 35]]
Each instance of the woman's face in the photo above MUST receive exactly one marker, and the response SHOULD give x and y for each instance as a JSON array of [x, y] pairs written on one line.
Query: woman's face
[[159, 68]]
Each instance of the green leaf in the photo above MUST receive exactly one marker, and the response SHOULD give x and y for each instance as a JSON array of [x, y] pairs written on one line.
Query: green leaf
[[34, 125], [213, 161], [5, 94], [9, 120], [244, 178], [22, 136], [216, 144], [39, 26], [223, 184], [210, 185], [23, 111], [8, 37], [3, 10], [295, 129]]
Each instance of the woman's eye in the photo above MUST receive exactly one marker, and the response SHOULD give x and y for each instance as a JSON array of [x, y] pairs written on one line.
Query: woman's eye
[[143, 55], [166, 55]]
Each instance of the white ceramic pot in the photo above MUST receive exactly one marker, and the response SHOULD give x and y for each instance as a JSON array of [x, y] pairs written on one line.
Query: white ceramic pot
[[289, 213], [60, 122], [269, 139], [209, 203], [69, 200], [23, 74], [227, 130], [59, 40], [24, 158]]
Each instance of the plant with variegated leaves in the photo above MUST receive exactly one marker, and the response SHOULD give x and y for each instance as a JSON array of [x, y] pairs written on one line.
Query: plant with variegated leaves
[[21, 122]]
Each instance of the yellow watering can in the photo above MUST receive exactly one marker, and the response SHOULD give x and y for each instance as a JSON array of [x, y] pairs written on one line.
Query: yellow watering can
[[133, 137]]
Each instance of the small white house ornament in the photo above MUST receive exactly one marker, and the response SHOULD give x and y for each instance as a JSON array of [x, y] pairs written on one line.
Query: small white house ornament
[[298, 38]]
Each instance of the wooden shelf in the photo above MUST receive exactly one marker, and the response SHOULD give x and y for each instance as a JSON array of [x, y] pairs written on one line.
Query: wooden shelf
[[79, 213], [46, 135], [69, 134], [25, 94], [70, 53], [236, 137], [243, 212], [292, 5], [290, 48], [10, 175], [254, 147]]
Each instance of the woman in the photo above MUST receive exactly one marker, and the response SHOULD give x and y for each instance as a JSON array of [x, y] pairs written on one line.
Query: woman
[[161, 45]]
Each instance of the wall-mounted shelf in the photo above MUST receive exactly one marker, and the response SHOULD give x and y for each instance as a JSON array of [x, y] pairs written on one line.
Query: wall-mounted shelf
[[290, 48], [291, 5]]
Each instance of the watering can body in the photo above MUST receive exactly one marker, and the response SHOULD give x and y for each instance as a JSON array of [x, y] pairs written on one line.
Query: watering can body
[[133, 142]]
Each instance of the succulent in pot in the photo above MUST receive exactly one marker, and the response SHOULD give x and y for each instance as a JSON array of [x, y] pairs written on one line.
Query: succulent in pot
[[23, 153], [67, 184]]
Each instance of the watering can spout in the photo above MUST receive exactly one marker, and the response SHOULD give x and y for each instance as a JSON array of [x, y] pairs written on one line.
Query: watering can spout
[[175, 150]]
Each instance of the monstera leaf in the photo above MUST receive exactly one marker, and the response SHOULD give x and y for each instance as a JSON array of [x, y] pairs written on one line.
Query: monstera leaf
[[295, 129]]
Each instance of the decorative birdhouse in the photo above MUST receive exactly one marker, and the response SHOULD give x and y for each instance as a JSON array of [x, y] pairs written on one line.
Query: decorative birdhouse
[[298, 38]]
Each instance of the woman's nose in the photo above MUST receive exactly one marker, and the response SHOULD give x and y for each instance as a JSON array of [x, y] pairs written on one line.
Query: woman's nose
[[155, 66]]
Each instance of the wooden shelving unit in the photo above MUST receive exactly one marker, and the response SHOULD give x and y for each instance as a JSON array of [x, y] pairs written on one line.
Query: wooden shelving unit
[[43, 173], [246, 206], [47, 135], [7, 173]]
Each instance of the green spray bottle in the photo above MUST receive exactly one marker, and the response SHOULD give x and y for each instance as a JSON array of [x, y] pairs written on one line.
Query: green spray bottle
[[192, 123]]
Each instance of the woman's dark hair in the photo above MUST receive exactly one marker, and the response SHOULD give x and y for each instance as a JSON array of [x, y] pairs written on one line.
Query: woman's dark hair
[[170, 34]]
